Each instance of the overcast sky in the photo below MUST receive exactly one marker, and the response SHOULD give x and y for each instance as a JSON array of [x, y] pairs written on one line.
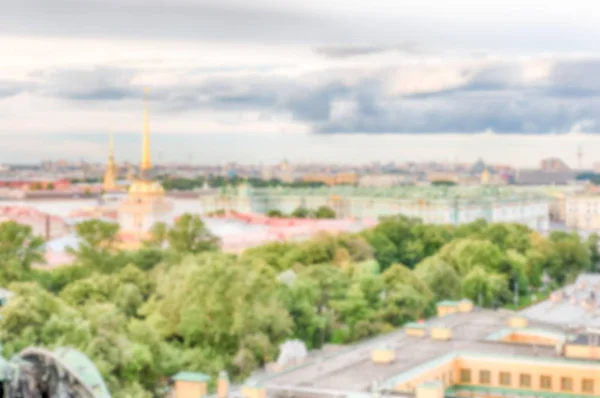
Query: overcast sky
[[509, 81]]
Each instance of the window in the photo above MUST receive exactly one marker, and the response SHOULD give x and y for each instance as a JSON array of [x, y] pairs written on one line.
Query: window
[[566, 384], [587, 386], [504, 378], [465, 375], [546, 382], [484, 377], [525, 380]]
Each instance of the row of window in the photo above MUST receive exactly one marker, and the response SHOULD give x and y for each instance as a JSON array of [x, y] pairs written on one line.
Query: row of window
[[525, 381]]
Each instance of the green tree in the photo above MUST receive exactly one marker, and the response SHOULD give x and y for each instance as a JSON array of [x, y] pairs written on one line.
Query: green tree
[[325, 212], [50, 186], [440, 277], [485, 288], [19, 250], [190, 235], [593, 242], [301, 212], [275, 213], [97, 245]]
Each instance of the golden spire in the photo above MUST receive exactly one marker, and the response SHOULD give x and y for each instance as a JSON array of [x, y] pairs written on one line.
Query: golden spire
[[110, 175], [111, 148], [146, 163]]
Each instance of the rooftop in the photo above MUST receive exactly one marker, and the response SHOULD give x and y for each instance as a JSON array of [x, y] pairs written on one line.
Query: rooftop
[[461, 193], [352, 370], [575, 305]]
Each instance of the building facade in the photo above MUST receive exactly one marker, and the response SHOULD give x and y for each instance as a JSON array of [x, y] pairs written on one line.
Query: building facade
[[436, 205], [582, 211]]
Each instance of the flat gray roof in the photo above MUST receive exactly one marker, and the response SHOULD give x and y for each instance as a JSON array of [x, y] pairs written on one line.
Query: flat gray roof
[[578, 306], [350, 369]]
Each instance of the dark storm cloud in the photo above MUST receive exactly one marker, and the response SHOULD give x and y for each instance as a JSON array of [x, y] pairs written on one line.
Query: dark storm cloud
[[96, 84], [494, 96]]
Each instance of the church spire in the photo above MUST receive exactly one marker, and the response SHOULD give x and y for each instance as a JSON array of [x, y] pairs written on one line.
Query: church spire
[[111, 148], [110, 175], [146, 163]]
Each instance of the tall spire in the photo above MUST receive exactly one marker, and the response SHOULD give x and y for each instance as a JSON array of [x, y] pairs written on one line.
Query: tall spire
[[110, 175], [146, 163], [111, 148]]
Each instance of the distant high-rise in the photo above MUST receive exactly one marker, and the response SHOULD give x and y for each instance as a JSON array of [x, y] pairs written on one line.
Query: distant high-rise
[[553, 164]]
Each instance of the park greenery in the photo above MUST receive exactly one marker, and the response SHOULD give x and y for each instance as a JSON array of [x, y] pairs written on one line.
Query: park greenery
[[321, 212], [180, 303]]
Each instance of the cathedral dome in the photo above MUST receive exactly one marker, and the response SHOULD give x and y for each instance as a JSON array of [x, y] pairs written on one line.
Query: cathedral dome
[[142, 187]]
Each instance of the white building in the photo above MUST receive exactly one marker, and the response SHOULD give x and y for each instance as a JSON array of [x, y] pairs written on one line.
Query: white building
[[436, 205]]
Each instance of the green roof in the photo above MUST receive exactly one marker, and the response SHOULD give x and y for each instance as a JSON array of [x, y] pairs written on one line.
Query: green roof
[[415, 325], [191, 376], [448, 303], [451, 391], [431, 384]]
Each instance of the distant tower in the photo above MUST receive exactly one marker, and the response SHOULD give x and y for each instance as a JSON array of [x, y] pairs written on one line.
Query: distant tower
[[580, 157], [110, 175], [146, 163], [146, 203]]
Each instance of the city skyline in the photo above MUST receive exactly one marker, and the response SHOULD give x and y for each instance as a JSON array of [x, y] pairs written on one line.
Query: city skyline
[[271, 73], [521, 151]]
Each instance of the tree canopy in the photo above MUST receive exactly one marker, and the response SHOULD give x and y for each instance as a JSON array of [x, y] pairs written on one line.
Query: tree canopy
[[180, 303]]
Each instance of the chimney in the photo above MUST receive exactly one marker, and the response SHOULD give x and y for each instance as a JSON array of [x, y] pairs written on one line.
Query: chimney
[[190, 385], [517, 322], [223, 385], [440, 333]]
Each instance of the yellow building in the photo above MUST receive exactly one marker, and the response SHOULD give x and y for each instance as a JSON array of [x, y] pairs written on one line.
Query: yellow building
[[145, 204], [332, 179], [463, 352]]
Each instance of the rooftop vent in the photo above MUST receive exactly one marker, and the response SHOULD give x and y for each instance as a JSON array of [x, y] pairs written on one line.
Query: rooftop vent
[[415, 329], [441, 333], [383, 355], [517, 322], [291, 352]]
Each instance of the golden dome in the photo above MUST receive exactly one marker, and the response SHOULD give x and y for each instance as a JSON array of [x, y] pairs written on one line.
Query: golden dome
[[142, 187]]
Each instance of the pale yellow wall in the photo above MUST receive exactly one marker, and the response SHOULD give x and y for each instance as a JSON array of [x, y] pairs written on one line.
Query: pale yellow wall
[[515, 369], [188, 389], [583, 212], [383, 356], [441, 333], [222, 387], [415, 332], [583, 352], [450, 374], [430, 392], [517, 322], [443, 310], [526, 338], [465, 306], [254, 392]]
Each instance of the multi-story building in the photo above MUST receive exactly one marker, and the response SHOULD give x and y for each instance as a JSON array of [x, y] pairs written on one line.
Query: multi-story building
[[553, 164], [582, 211], [464, 351], [385, 180], [438, 205]]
